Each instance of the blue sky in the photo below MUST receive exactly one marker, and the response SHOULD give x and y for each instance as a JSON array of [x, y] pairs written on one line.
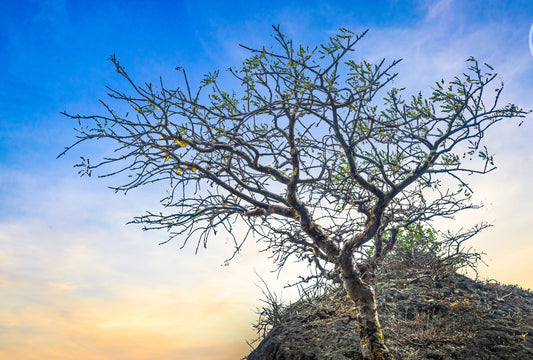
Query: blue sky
[[76, 282]]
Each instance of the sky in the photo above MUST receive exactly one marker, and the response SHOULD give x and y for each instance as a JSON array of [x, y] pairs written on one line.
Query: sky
[[77, 282]]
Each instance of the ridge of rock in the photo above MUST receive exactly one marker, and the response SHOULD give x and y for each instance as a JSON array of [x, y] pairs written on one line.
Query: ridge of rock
[[425, 314]]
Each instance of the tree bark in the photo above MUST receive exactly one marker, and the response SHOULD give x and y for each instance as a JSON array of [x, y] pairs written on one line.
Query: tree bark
[[370, 334]]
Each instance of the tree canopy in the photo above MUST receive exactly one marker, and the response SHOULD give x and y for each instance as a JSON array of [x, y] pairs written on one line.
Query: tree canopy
[[317, 154]]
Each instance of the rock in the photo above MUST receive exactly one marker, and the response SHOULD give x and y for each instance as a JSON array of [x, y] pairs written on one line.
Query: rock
[[448, 317], [315, 340]]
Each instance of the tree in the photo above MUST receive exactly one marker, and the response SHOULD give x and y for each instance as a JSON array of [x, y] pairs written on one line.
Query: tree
[[306, 156]]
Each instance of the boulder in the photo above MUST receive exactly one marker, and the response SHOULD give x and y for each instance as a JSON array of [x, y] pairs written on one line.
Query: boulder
[[425, 314]]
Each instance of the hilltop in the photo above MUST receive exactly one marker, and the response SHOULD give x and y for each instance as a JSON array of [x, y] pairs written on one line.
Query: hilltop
[[426, 313]]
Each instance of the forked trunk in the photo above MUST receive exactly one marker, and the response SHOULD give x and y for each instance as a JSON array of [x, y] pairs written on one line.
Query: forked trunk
[[370, 334]]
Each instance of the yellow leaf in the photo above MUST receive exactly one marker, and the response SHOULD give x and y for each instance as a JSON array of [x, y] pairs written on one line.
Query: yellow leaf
[[180, 143], [194, 168], [348, 296], [168, 156], [178, 170], [224, 204], [162, 137]]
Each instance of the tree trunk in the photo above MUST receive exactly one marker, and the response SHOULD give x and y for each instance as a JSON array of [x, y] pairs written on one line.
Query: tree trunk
[[371, 336]]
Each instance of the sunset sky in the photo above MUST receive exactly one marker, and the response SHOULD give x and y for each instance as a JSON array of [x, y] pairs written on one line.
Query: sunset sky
[[76, 282]]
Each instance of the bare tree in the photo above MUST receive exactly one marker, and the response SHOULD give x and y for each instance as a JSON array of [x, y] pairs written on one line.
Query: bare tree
[[306, 156]]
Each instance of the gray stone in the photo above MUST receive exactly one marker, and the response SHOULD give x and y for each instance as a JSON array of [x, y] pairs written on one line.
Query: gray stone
[[427, 318]]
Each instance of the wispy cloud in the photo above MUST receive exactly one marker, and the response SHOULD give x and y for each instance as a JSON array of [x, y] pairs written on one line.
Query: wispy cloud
[[76, 282], [438, 9], [143, 323]]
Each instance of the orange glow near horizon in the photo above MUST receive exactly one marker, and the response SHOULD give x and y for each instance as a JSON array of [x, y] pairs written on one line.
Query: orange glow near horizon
[[160, 324]]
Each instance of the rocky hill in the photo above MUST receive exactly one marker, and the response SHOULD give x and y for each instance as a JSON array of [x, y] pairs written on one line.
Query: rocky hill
[[426, 313]]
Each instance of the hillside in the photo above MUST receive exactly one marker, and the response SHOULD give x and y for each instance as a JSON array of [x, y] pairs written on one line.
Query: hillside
[[426, 313]]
